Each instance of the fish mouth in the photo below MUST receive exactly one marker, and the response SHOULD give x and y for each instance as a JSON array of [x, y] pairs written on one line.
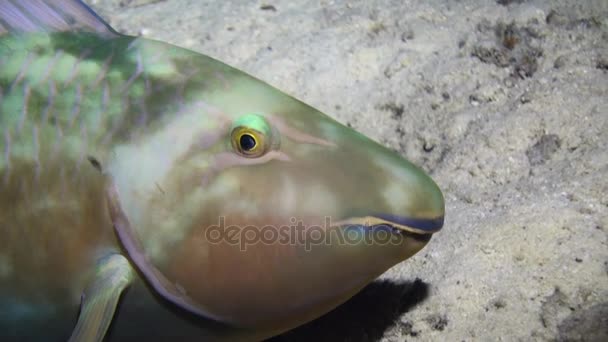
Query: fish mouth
[[414, 225], [398, 224]]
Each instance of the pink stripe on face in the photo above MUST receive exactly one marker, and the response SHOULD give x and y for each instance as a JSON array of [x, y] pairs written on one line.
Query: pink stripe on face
[[297, 135], [225, 160]]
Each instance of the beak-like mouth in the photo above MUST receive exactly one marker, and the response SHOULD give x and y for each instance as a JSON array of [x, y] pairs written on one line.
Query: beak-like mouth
[[404, 224]]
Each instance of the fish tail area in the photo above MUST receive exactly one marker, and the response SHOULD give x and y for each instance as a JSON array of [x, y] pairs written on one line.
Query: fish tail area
[[18, 16]]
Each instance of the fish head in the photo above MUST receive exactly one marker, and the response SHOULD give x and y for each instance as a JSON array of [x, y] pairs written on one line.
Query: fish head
[[264, 211]]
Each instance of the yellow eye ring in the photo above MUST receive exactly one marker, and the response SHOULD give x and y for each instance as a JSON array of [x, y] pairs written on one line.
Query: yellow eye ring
[[248, 142], [252, 136]]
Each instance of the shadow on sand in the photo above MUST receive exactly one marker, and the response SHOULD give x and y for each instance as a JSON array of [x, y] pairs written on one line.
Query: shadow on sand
[[365, 317]]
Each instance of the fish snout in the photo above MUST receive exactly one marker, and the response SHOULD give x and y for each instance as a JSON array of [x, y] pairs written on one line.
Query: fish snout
[[412, 201]]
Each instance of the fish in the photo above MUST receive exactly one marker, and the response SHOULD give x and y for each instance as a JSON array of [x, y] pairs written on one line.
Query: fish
[[150, 192]]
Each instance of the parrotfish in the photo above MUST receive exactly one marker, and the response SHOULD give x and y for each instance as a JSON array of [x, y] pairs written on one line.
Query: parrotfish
[[150, 192]]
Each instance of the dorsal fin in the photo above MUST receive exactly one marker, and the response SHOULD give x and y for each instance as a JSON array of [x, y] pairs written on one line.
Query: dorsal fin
[[51, 16]]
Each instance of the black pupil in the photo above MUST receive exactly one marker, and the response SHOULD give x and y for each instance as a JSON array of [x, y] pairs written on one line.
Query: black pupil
[[247, 142]]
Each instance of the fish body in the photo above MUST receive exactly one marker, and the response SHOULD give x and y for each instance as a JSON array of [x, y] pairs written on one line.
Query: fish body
[[132, 163], [61, 105]]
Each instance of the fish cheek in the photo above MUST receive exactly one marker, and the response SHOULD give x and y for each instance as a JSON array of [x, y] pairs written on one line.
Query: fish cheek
[[217, 270], [238, 259]]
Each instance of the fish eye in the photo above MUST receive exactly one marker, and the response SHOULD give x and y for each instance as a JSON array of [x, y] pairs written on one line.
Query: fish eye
[[247, 142], [251, 136]]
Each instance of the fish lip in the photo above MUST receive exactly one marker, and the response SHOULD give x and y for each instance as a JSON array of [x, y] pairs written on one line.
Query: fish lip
[[411, 224], [402, 224]]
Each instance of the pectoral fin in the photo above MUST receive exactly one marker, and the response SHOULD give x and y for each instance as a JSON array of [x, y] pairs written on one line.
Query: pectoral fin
[[99, 300]]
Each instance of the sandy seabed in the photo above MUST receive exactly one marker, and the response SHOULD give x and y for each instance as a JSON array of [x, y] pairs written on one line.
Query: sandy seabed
[[504, 103]]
